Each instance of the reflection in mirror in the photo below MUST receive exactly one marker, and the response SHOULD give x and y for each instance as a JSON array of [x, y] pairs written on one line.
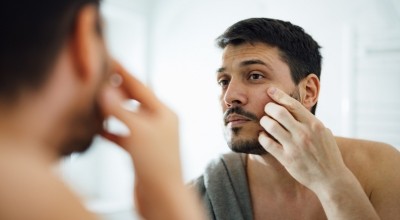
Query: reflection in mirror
[[169, 44]]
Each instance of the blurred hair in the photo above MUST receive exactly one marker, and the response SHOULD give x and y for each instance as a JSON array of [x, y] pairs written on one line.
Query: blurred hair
[[33, 33], [298, 49]]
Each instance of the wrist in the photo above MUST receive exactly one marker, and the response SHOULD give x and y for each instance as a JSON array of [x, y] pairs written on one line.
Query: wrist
[[340, 192], [343, 197], [336, 185]]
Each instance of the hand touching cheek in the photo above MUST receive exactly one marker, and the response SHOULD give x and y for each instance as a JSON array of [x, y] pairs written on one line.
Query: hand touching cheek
[[301, 143], [153, 143]]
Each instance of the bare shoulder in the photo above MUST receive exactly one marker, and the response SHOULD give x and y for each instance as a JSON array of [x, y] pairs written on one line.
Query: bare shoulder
[[365, 157], [366, 151], [375, 165], [30, 190]]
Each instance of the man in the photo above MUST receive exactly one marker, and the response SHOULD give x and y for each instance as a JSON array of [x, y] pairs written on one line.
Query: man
[[286, 164], [55, 92]]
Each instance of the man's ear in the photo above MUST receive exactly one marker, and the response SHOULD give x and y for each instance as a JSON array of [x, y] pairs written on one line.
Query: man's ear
[[309, 90], [85, 42]]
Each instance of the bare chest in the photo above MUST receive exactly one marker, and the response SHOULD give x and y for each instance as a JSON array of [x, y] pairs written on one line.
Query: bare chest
[[277, 208]]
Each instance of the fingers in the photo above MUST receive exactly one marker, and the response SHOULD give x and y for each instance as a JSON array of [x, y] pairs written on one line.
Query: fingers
[[279, 121], [271, 146], [276, 130], [113, 98], [112, 137], [281, 115], [112, 101], [136, 90], [292, 105]]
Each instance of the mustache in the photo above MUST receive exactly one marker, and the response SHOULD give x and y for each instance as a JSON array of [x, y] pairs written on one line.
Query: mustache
[[239, 111]]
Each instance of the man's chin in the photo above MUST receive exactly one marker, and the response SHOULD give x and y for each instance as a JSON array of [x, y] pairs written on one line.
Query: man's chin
[[248, 147], [80, 146]]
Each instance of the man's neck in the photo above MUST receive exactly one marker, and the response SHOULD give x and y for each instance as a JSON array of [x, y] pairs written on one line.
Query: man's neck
[[267, 174], [24, 146], [22, 133], [274, 192]]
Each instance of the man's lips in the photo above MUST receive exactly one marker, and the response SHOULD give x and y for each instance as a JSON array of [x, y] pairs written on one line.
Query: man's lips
[[235, 119]]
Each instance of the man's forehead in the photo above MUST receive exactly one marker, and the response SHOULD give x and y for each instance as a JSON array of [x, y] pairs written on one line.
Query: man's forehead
[[250, 47], [247, 54]]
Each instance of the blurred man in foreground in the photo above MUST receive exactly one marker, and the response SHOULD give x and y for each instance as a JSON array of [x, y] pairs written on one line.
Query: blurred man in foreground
[[55, 94]]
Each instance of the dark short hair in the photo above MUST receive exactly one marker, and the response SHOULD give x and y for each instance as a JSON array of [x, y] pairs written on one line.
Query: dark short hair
[[33, 33], [297, 48]]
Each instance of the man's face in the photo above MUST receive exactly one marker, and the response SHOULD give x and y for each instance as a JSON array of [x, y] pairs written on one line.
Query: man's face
[[87, 119], [246, 73]]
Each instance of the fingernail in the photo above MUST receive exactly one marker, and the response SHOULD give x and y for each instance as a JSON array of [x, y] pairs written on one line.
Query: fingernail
[[271, 90], [262, 137], [115, 80], [263, 120]]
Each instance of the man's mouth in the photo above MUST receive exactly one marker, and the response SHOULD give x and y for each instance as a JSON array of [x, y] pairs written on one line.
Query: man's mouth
[[234, 120], [237, 116]]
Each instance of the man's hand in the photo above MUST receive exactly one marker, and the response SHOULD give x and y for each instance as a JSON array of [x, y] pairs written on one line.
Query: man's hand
[[309, 152], [153, 144], [302, 144]]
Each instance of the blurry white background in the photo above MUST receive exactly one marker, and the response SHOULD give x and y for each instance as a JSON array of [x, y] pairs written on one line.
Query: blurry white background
[[169, 44]]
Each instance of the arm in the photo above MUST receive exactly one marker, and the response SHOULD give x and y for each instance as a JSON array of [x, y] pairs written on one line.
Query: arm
[[310, 154], [153, 144], [385, 192]]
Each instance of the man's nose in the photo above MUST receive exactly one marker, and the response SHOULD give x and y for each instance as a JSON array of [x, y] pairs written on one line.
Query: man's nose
[[235, 94]]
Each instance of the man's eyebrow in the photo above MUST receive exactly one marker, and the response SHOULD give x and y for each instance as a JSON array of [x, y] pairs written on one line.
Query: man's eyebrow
[[247, 63], [221, 70], [255, 61]]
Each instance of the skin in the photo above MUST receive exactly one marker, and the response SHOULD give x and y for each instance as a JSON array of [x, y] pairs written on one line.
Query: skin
[[65, 114], [307, 173]]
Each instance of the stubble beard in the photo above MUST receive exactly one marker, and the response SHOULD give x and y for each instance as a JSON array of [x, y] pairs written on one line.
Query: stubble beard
[[85, 128], [246, 146], [250, 146]]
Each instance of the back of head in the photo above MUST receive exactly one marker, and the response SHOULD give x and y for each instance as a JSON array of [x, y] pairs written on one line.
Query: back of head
[[298, 49], [33, 33]]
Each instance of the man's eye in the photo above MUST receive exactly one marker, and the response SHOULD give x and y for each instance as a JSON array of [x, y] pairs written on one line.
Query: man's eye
[[223, 82], [255, 76]]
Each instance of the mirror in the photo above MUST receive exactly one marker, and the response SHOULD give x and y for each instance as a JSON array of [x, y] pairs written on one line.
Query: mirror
[[169, 44]]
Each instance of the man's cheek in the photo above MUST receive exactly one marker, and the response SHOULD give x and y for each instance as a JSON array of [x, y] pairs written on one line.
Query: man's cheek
[[260, 109]]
